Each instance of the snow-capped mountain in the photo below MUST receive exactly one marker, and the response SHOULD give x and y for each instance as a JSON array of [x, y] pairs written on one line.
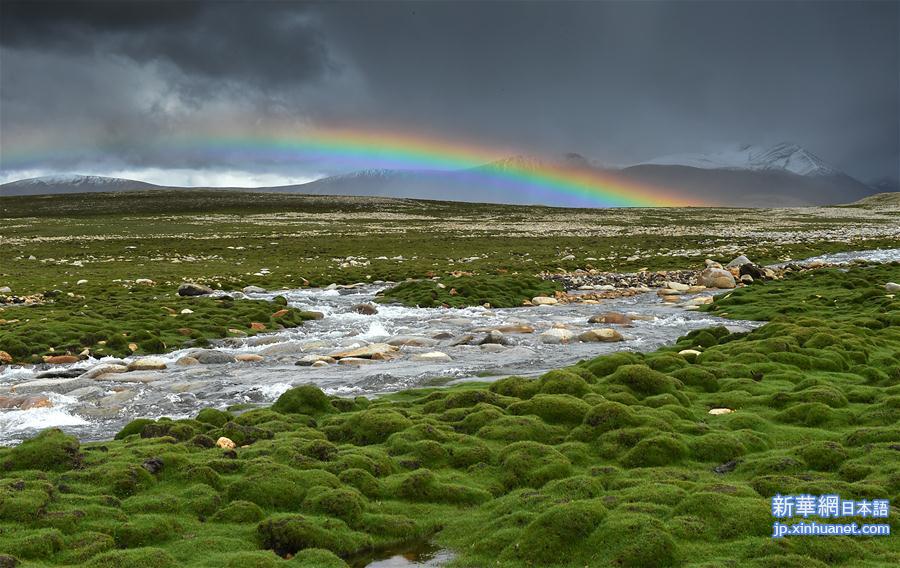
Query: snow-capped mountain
[[72, 183], [780, 157], [744, 176]]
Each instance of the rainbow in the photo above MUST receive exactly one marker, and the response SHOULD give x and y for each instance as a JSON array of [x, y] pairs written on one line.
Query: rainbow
[[362, 148]]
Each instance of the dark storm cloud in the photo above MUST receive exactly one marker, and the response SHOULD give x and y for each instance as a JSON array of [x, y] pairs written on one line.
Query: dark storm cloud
[[618, 81], [267, 43]]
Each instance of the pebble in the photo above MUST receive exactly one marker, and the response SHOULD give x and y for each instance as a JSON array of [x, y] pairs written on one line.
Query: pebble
[[432, 357], [544, 301], [145, 282], [253, 290], [720, 411], [147, 364]]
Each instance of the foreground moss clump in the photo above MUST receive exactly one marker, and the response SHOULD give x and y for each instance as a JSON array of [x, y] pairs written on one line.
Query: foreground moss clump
[[112, 320], [498, 291], [611, 462]]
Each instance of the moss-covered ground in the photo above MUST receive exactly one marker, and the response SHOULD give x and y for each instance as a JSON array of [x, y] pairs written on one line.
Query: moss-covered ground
[[507, 291], [122, 320], [611, 462]]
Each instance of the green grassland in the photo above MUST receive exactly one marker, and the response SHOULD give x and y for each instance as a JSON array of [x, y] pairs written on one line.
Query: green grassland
[[226, 239], [610, 462]]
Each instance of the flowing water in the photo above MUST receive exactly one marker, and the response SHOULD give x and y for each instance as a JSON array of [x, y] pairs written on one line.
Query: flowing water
[[97, 409]]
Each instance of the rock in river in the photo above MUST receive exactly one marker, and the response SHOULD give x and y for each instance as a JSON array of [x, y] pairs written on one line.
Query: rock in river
[[365, 309], [365, 352], [557, 335], [103, 369], [614, 318], [212, 357], [544, 301], [147, 364], [411, 341], [432, 357], [601, 335]]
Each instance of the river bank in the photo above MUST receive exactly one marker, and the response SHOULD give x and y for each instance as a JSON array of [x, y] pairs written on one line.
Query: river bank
[[615, 460]]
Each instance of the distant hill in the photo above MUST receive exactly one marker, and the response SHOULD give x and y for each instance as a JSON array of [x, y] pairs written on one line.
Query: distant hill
[[891, 199], [73, 183]]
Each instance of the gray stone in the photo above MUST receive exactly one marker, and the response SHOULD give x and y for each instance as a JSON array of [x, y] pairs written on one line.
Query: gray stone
[[738, 262], [212, 357], [557, 335], [104, 368], [411, 341], [191, 289]]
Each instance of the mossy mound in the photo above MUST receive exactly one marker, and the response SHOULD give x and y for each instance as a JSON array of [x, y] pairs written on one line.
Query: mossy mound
[[150, 318], [498, 291]]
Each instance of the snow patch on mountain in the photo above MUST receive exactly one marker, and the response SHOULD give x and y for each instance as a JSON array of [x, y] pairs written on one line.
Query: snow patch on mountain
[[781, 157]]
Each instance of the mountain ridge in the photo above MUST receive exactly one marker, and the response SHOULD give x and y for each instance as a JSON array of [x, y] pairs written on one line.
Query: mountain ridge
[[744, 176]]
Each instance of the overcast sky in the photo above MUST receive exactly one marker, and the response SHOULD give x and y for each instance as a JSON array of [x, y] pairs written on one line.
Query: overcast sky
[[99, 87]]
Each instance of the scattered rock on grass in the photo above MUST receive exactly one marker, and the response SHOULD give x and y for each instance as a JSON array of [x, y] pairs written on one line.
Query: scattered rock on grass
[[716, 278], [892, 287], [191, 289]]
